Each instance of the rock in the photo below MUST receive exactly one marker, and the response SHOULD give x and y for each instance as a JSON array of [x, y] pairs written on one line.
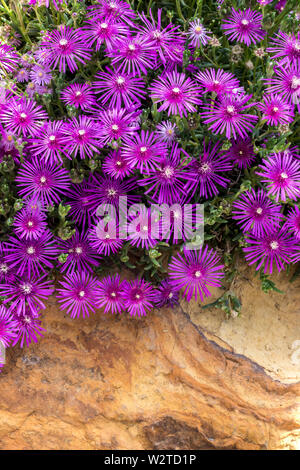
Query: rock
[[114, 382]]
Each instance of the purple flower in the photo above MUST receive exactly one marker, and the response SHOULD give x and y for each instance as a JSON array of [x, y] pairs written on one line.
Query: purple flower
[[241, 152], [110, 294], [286, 82], [22, 75], [116, 9], [273, 247], [8, 327], [65, 47], [133, 54], [285, 46], [208, 169], [78, 199], [117, 124], [138, 296], [140, 228], [78, 294], [104, 30], [83, 137], [43, 179], [228, 115], [166, 295], [144, 151], [79, 95], [166, 132], [26, 292], [28, 327], [31, 256], [195, 271], [276, 110], [178, 93], [116, 165], [50, 142], [217, 82], [256, 213], [80, 254], [281, 172], [30, 223], [119, 89], [198, 34], [292, 222], [244, 26], [40, 75], [104, 240], [9, 59], [22, 116]]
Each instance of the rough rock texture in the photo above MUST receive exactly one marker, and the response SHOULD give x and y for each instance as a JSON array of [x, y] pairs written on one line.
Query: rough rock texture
[[152, 383]]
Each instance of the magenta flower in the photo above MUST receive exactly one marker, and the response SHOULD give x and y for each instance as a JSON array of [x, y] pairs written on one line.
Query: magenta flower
[[28, 292], [9, 59], [178, 93], [228, 115], [104, 30], [31, 256], [64, 47], [198, 34], [116, 165], [117, 124], [292, 222], [133, 55], [50, 142], [44, 180], [275, 247], [256, 213], [22, 75], [244, 26], [28, 327], [276, 110], [241, 152], [166, 295], [138, 297], [40, 75], [78, 295], [80, 204], [104, 240], [144, 151], [218, 82], [285, 46], [8, 327], [80, 254], [116, 9], [110, 294], [140, 229], [79, 95], [208, 170], [195, 271], [119, 89], [84, 136], [166, 132], [23, 117], [281, 172], [286, 82], [30, 223]]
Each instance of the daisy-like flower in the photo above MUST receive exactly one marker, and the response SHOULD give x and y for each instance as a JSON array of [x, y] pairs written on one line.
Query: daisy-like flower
[[229, 115], [276, 247], [83, 135], [9, 59], [104, 30], [281, 173], [244, 26], [198, 34], [195, 272], [286, 82], [166, 295], [165, 40], [8, 327], [40, 75], [31, 257], [104, 240], [22, 75], [79, 95], [276, 110], [217, 82], [256, 213], [64, 47], [28, 327], [110, 294], [133, 55], [168, 182], [144, 151], [292, 222], [208, 170], [80, 254], [116, 165], [166, 132], [78, 294], [241, 152], [50, 142], [177, 92], [23, 117], [139, 297], [140, 229], [77, 197], [45, 180], [119, 89], [30, 223], [26, 292], [117, 124], [116, 9], [285, 47]]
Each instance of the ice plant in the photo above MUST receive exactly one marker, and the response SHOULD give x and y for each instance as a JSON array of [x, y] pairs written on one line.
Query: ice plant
[[116, 165], [28, 327], [8, 326], [40, 75], [244, 26], [104, 241], [198, 34], [166, 295], [79, 95], [83, 137], [79, 201], [217, 82], [286, 82], [79, 254], [103, 30], [292, 222], [110, 294], [241, 152], [166, 132], [116, 124], [23, 116], [138, 297], [276, 110], [9, 59], [195, 272], [133, 54], [30, 223], [143, 151], [285, 47], [50, 142]]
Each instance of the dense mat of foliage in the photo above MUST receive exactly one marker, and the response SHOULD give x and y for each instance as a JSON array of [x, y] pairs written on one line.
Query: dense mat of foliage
[[169, 102]]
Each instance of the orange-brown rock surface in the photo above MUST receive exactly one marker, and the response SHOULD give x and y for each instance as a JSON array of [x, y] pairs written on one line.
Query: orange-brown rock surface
[[112, 382]]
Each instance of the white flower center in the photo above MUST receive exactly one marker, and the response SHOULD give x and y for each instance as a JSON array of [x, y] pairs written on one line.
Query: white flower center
[[176, 90], [283, 175], [63, 42], [81, 293], [81, 132], [274, 245], [259, 210], [143, 149], [156, 34], [295, 83], [245, 22], [43, 179], [3, 268], [198, 29], [30, 250], [23, 115], [145, 228], [297, 46], [205, 167], [198, 274], [230, 109], [275, 109], [120, 80], [30, 223], [78, 93], [103, 25], [78, 250], [137, 296], [131, 47], [112, 192], [170, 295], [115, 127], [52, 138], [168, 172], [26, 288], [113, 294]]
